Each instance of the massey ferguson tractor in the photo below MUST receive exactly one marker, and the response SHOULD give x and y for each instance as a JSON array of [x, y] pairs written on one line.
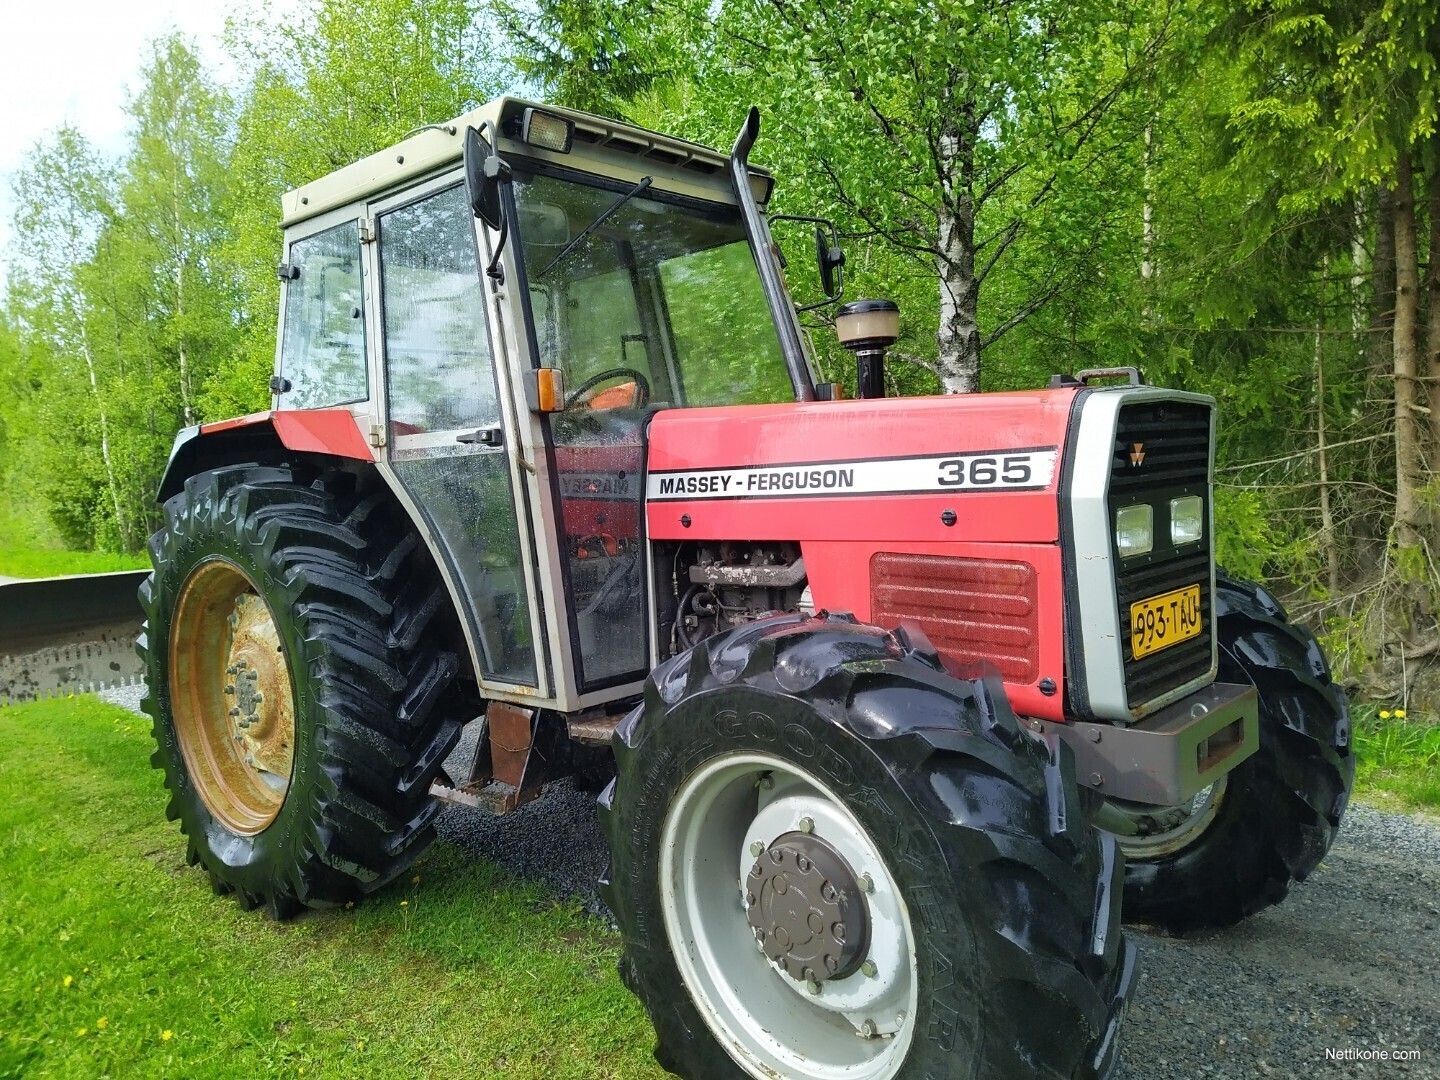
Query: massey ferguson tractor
[[893, 700]]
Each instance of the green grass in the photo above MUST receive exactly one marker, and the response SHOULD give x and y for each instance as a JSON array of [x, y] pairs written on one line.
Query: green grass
[[35, 562], [1397, 759], [116, 959]]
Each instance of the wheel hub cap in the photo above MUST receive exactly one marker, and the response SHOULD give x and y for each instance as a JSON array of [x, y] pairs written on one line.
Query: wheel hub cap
[[804, 904], [231, 697], [262, 716]]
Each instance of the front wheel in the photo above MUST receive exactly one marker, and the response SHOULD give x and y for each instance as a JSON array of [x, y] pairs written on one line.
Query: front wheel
[[1237, 846], [831, 859]]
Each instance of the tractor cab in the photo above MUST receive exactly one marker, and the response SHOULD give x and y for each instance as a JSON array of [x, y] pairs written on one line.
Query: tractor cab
[[504, 339]]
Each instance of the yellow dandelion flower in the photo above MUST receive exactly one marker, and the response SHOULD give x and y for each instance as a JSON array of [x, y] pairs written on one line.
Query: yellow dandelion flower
[[166, 1035], [1399, 714], [1384, 714], [69, 979], [415, 880], [404, 903], [103, 1023], [81, 1032]]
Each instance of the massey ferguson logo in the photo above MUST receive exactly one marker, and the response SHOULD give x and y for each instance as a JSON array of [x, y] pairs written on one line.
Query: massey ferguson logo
[[1137, 454]]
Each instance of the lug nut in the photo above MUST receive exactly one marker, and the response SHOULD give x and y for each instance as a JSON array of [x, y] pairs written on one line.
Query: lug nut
[[807, 825], [235, 711], [867, 883], [232, 670], [868, 969], [868, 1030], [229, 689], [812, 986], [757, 848]]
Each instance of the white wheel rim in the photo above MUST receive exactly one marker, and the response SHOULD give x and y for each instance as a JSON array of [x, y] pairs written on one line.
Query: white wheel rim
[[770, 1023]]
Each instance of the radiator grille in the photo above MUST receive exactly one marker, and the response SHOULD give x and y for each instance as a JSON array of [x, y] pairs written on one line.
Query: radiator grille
[[971, 609], [1174, 438]]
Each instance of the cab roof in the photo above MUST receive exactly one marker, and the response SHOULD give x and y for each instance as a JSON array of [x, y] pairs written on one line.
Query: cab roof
[[601, 146]]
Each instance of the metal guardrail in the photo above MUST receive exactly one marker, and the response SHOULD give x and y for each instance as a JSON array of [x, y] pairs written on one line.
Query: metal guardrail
[[68, 635]]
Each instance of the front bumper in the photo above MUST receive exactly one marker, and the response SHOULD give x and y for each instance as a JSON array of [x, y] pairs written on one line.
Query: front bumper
[[1172, 754]]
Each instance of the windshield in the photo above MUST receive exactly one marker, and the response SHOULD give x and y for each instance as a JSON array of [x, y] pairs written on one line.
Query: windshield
[[643, 301]]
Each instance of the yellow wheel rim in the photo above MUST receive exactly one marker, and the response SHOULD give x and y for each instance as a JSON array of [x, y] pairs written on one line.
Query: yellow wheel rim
[[231, 697]]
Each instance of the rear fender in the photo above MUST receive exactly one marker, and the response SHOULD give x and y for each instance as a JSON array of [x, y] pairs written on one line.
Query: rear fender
[[265, 438]]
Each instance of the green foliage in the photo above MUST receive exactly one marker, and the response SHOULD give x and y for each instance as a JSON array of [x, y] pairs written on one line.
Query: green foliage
[[1397, 756], [18, 560], [117, 960]]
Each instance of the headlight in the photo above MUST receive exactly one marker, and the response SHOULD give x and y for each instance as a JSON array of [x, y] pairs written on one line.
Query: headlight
[[1134, 530], [1187, 519]]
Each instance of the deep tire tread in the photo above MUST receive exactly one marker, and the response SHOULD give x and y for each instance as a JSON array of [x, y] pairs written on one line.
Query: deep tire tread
[[1282, 807], [383, 712], [1050, 933]]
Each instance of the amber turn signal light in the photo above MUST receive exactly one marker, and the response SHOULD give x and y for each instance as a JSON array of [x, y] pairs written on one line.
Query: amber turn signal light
[[545, 390]]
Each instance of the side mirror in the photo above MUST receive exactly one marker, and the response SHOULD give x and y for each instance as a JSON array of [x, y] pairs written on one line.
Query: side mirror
[[830, 259], [485, 171]]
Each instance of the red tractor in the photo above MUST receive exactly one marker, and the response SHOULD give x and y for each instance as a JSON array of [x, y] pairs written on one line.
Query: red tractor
[[891, 700]]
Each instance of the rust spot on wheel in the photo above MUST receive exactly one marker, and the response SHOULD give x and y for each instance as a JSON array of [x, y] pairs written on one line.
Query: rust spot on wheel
[[231, 697]]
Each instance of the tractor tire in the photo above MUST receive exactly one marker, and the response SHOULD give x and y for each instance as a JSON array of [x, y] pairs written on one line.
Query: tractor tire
[[300, 708], [978, 932], [1270, 821]]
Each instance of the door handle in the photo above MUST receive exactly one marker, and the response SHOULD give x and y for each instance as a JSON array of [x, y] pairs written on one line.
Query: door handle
[[485, 436]]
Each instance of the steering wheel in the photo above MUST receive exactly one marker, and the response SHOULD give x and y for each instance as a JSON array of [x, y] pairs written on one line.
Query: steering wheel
[[642, 385]]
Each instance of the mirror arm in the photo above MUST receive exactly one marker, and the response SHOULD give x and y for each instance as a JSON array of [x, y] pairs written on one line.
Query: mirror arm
[[495, 272], [782, 309]]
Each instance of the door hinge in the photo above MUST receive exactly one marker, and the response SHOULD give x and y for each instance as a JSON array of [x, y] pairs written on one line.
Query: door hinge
[[377, 435], [367, 230]]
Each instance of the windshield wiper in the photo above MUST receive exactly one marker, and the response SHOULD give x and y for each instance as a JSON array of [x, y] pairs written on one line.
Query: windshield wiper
[[605, 214]]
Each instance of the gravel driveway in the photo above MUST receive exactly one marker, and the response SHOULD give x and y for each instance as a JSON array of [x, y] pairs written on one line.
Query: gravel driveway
[[1349, 963]]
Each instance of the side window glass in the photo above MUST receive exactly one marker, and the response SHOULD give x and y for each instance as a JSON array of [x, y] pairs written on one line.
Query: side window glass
[[322, 352], [436, 350]]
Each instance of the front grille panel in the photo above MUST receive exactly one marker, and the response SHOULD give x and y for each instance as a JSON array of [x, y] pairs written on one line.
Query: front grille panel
[[970, 609], [1174, 439]]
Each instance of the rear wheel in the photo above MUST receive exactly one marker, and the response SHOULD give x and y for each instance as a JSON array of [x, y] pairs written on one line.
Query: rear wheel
[[831, 859], [1236, 847], [300, 709]]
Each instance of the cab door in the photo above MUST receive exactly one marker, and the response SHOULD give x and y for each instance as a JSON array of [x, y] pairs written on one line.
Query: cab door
[[446, 437]]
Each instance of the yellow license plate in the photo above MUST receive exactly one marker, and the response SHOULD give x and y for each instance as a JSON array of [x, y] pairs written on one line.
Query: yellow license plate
[[1164, 620]]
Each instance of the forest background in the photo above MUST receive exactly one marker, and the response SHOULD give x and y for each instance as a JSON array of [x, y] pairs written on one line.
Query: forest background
[[1240, 198]]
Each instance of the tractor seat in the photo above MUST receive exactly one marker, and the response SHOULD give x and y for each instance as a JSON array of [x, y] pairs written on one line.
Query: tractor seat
[[619, 396]]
